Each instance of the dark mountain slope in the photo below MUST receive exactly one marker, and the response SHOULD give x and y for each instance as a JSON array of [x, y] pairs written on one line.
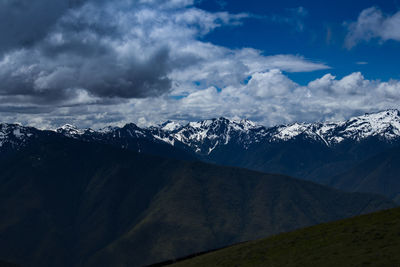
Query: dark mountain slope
[[379, 174], [368, 240], [69, 203], [15, 137], [7, 264]]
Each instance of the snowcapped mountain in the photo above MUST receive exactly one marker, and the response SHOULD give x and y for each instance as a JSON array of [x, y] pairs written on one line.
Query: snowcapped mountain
[[70, 131], [15, 136], [313, 151], [385, 125], [204, 137]]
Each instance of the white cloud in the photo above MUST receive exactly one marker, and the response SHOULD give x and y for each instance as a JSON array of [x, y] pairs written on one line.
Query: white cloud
[[81, 72], [372, 23], [269, 98], [272, 98], [132, 49], [270, 84]]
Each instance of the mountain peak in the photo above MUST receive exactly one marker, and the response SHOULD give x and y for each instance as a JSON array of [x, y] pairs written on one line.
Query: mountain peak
[[14, 135], [70, 130], [170, 126], [385, 124], [205, 136], [131, 126], [381, 115]]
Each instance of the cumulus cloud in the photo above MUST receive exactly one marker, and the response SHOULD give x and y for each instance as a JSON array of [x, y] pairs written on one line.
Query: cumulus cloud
[[269, 98], [87, 51], [372, 23], [272, 98], [95, 63]]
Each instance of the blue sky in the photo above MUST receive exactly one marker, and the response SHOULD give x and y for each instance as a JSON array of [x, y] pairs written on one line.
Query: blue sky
[[95, 63], [321, 38]]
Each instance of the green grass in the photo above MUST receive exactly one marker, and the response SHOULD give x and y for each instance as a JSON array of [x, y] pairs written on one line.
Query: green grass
[[367, 240]]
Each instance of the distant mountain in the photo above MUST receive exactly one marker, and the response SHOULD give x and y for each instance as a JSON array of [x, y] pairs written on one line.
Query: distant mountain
[[361, 241], [379, 174], [14, 137], [65, 202], [311, 151], [204, 136]]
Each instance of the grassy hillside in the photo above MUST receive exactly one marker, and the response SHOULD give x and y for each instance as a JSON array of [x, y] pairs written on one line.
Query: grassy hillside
[[70, 203], [367, 240]]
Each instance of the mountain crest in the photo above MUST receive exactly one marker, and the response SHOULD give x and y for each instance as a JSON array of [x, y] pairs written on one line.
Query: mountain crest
[[204, 137]]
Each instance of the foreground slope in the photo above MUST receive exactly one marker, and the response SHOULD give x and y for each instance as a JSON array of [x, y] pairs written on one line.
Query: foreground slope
[[367, 240], [65, 202]]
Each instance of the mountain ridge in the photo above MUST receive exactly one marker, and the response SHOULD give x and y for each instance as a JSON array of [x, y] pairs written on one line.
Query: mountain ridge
[[220, 131], [310, 151]]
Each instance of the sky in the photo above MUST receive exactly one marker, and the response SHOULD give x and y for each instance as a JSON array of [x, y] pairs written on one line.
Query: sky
[[95, 63]]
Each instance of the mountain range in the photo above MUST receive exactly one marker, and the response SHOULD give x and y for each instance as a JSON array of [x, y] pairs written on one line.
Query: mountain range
[[317, 152], [204, 137]]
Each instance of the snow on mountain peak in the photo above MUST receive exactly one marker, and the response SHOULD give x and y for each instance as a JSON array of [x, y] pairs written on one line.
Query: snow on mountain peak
[[107, 129], [206, 136], [70, 130], [385, 124], [170, 126], [287, 132], [14, 134]]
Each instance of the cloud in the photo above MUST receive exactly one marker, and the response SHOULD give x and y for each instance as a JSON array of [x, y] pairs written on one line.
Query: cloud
[[269, 98], [272, 98], [99, 62], [372, 23], [87, 52], [119, 49], [24, 22]]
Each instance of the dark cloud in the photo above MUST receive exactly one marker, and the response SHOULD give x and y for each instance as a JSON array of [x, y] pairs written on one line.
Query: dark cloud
[[67, 55], [25, 22], [25, 110]]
